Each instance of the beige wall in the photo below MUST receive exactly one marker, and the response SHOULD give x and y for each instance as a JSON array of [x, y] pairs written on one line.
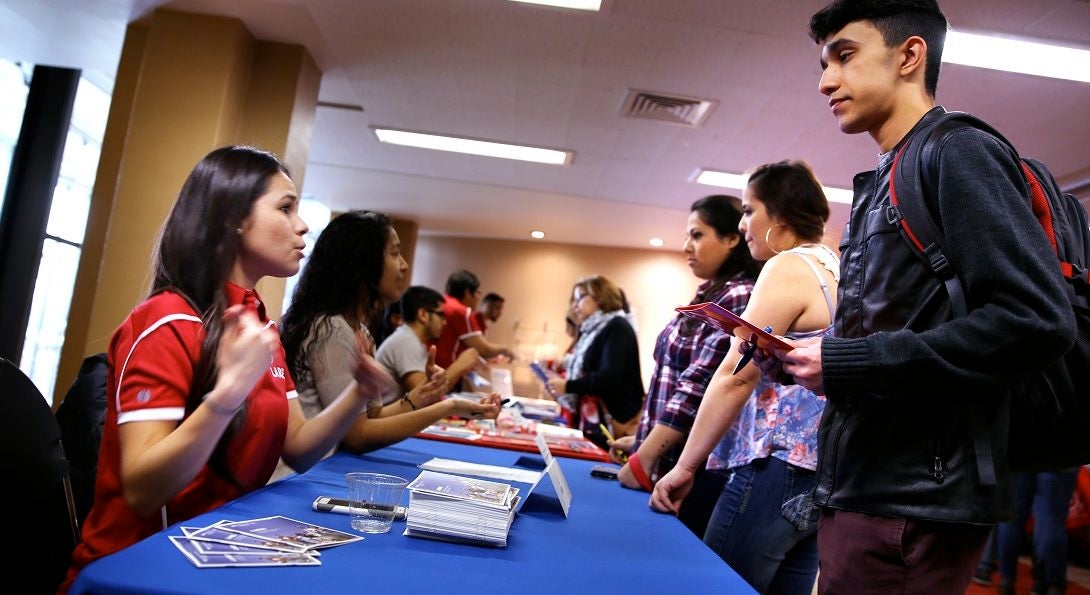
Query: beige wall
[[536, 281]]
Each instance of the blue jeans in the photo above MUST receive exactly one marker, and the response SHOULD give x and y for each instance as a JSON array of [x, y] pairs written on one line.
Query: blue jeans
[[765, 526], [1048, 496]]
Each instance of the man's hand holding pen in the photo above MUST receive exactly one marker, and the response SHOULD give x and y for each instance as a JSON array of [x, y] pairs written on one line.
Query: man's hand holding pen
[[801, 365]]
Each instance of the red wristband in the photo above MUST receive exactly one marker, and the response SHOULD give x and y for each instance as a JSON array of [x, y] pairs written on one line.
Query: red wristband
[[636, 468]]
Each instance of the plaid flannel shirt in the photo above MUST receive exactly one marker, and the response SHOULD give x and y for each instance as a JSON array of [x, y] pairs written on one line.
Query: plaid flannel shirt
[[685, 363]]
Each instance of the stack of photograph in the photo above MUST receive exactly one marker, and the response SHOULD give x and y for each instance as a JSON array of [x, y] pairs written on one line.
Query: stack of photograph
[[463, 509]]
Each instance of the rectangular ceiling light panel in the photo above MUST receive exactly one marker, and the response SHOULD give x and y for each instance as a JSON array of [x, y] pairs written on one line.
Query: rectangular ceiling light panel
[[723, 179], [594, 5], [1012, 55], [472, 146]]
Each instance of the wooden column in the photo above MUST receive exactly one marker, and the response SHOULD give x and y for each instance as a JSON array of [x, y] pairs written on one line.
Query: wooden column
[[186, 84]]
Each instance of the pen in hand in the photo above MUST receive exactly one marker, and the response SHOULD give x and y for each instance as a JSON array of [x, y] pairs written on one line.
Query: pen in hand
[[750, 351], [609, 436]]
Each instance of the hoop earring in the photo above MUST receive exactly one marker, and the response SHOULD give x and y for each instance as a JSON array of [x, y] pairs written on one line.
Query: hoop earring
[[768, 234]]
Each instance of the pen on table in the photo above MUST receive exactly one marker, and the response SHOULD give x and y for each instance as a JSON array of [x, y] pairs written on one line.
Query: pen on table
[[748, 354], [341, 506]]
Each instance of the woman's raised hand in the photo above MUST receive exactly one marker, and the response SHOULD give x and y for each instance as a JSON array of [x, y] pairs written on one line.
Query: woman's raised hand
[[246, 349], [372, 378], [431, 390]]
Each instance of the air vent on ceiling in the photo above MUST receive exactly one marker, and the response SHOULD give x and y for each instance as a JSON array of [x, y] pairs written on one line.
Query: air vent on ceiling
[[676, 109]]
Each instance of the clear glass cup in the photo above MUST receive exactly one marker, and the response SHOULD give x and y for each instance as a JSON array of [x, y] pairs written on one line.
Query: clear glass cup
[[373, 499]]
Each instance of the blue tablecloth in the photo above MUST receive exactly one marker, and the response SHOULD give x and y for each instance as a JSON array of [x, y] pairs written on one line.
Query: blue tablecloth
[[611, 542]]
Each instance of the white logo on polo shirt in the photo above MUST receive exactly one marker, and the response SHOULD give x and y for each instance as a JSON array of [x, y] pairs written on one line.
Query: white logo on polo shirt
[[143, 396], [277, 372]]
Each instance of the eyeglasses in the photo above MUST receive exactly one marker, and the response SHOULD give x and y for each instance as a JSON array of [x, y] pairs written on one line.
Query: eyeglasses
[[579, 296]]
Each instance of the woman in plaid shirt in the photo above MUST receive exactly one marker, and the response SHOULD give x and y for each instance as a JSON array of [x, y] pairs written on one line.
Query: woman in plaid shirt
[[687, 353]]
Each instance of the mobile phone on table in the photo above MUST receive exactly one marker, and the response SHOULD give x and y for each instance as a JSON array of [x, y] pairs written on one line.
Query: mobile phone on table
[[604, 471]]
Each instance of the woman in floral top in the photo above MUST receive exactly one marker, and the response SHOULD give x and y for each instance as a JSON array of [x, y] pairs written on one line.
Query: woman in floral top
[[764, 524]]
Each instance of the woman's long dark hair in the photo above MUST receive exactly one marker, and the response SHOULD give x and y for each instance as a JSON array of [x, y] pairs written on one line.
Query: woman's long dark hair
[[197, 249], [341, 277], [722, 213]]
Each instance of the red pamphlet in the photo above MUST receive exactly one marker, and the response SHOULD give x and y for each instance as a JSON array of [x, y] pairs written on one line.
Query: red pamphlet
[[732, 323]]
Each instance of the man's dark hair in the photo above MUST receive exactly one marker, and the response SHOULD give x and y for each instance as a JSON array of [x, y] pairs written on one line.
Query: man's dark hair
[[417, 297], [492, 297], [460, 281], [896, 20]]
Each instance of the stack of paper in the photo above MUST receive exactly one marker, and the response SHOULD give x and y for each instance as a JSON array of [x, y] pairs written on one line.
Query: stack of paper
[[463, 509]]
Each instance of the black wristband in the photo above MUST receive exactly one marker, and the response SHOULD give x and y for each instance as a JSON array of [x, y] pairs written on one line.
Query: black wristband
[[406, 398]]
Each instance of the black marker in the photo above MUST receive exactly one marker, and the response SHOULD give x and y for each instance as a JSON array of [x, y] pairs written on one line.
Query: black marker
[[341, 506]]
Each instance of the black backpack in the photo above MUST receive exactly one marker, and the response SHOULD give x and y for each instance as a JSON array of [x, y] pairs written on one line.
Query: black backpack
[[81, 416], [1050, 411]]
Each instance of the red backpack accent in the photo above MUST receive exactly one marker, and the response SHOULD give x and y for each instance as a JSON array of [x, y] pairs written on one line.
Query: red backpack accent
[[1050, 410]]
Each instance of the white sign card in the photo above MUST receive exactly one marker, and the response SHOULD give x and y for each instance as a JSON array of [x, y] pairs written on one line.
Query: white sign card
[[556, 475]]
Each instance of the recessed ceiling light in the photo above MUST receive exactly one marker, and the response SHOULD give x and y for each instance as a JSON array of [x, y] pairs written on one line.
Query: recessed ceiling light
[[656, 242], [723, 179], [472, 146], [1012, 55], [576, 4], [537, 234]]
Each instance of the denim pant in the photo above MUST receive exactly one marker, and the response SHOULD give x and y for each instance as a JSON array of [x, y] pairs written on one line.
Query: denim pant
[[1048, 496], [765, 526]]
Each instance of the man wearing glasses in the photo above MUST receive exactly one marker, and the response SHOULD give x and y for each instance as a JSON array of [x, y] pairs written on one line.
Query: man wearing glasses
[[405, 352]]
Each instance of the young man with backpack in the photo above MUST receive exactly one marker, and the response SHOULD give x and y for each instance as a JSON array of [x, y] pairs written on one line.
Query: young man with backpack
[[912, 469]]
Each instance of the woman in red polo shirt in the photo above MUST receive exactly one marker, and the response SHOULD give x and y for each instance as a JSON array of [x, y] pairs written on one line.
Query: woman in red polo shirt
[[200, 404]]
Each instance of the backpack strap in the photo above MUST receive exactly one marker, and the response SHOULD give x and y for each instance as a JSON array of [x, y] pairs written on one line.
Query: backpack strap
[[911, 175], [908, 211]]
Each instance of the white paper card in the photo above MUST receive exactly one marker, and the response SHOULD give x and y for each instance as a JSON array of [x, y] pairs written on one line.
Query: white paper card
[[560, 484], [480, 470], [552, 469], [543, 446]]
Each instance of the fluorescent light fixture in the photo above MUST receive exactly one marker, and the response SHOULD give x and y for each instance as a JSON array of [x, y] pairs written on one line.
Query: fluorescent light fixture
[[472, 146], [1012, 55], [840, 195], [537, 234], [576, 4], [723, 179], [655, 242]]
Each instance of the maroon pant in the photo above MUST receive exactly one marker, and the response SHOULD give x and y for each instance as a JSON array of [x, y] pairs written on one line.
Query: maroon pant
[[860, 553]]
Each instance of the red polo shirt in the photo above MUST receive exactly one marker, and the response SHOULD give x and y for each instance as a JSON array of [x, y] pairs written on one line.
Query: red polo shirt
[[460, 325], [152, 356]]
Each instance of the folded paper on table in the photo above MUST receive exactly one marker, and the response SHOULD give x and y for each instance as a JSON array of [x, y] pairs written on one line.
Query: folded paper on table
[[730, 322], [479, 470]]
